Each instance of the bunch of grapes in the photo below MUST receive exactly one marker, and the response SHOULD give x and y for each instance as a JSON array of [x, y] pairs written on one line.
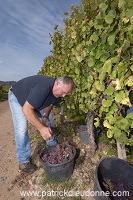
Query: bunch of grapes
[[60, 154], [118, 187]]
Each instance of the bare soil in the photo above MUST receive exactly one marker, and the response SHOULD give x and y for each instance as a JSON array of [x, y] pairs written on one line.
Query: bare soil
[[13, 183]]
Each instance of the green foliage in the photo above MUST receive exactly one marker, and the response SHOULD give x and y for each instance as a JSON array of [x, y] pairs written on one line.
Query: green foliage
[[95, 49], [4, 92]]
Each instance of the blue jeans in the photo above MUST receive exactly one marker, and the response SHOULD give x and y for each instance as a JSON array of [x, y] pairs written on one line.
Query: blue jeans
[[20, 122], [130, 110]]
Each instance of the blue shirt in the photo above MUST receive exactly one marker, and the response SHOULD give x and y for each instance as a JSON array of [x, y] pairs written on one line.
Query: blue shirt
[[37, 90]]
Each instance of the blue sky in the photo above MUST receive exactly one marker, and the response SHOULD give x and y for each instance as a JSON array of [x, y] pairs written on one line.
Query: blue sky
[[24, 34]]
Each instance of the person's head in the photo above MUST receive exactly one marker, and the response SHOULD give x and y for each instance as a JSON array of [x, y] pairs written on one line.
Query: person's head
[[62, 86]]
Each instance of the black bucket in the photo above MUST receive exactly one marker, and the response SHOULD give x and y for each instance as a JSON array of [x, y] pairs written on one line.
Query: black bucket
[[58, 172], [83, 133], [115, 170]]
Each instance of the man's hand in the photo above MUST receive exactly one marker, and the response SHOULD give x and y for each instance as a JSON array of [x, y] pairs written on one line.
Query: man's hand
[[28, 110], [46, 133]]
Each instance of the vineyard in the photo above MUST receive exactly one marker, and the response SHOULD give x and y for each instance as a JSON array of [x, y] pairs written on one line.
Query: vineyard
[[4, 92], [95, 49]]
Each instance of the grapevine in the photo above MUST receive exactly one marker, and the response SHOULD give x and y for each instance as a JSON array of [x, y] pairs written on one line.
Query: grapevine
[[95, 49]]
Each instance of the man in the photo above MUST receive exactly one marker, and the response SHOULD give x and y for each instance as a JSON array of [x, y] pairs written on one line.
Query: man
[[32, 99]]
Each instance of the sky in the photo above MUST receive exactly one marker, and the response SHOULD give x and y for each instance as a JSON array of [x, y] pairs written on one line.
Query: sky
[[24, 34]]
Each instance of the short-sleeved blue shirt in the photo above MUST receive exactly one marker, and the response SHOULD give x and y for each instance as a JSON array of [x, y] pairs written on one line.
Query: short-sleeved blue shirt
[[37, 90]]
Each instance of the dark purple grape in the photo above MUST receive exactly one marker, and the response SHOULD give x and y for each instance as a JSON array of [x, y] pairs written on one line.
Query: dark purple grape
[[60, 155]]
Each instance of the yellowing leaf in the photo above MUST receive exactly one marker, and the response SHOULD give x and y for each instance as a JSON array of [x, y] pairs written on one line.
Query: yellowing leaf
[[125, 20], [107, 125], [96, 122], [129, 81], [125, 101], [79, 58], [109, 134]]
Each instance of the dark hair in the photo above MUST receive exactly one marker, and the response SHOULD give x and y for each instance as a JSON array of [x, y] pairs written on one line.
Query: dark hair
[[65, 80]]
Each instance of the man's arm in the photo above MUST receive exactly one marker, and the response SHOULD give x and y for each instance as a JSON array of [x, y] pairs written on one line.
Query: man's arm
[[29, 113], [46, 113], [47, 110]]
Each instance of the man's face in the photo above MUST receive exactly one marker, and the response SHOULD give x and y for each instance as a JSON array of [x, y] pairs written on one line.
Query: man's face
[[61, 90]]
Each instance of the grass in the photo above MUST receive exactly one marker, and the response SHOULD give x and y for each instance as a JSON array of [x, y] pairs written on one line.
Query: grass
[[59, 188], [3, 97]]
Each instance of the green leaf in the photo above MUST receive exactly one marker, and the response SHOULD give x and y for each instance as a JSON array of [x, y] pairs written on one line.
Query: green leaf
[[113, 75], [90, 78], [84, 28], [123, 124], [93, 92], [110, 90], [112, 13], [91, 62], [109, 18], [130, 116], [99, 86], [117, 132], [131, 20], [131, 124], [106, 103], [98, 53], [121, 67], [119, 96], [123, 138], [79, 47], [113, 108], [77, 71], [110, 118], [121, 4], [111, 39], [94, 37], [131, 67], [103, 7], [102, 76], [115, 59], [107, 66]]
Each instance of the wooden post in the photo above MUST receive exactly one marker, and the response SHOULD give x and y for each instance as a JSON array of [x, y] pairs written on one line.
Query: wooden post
[[62, 114], [121, 150], [90, 130]]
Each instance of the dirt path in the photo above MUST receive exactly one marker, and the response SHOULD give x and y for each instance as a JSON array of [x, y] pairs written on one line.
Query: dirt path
[[8, 163]]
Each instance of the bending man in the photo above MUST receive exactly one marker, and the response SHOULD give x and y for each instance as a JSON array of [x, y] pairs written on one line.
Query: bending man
[[32, 99]]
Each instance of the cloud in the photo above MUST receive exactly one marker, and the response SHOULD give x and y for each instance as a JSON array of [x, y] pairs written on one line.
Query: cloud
[[24, 65], [24, 34], [31, 19]]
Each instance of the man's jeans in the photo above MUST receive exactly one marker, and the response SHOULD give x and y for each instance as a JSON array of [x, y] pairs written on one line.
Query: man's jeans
[[20, 122], [130, 110]]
